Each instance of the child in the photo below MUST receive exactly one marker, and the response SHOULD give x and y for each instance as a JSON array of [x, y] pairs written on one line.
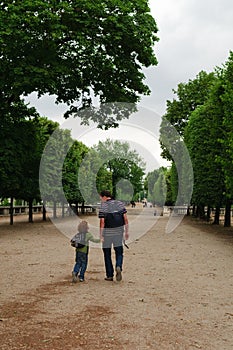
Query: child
[[80, 242]]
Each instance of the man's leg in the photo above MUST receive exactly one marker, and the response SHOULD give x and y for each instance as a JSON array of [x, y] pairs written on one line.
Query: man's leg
[[119, 256], [119, 262], [118, 247], [108, 263]]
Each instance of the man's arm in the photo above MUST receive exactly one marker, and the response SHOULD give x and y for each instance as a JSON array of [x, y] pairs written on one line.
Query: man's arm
[[126, 226], [101, 229]]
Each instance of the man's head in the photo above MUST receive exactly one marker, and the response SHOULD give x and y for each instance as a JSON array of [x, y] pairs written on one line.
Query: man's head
[[105, 195]]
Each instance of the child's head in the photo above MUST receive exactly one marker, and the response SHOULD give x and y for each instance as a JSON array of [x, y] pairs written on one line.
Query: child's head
[[83, 227]]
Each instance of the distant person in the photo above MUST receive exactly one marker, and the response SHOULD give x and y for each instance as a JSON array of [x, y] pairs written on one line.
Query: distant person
[[113, 232], [133, 204], [81, 242]]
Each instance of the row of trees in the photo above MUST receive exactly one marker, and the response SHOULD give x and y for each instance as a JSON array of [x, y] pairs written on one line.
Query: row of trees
[[157, 187], [80, 52], [41, 161], [22, 144], [202, 115]]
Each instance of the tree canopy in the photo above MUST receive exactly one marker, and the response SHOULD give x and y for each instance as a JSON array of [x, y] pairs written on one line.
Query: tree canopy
[[75, 50], [123, 164], [202, 116]]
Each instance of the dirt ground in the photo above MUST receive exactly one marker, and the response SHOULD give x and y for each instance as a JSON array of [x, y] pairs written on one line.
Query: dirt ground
[[176, 292]]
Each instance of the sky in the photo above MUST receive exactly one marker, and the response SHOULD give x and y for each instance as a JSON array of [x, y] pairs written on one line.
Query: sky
[[194, 35]]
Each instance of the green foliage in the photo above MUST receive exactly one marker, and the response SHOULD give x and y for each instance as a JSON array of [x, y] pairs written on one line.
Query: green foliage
[[190, 96], [202, 116], [74, 50], [71, 175], [22, 144], [159, 186], [121, 163], [4, 202], [226, 100], [203, 132], [172, 185], [150, 180], [51, 165], [160, 190], [90, 177]]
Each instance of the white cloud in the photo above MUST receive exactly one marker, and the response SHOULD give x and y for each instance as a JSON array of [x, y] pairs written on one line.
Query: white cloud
[[194, 35]]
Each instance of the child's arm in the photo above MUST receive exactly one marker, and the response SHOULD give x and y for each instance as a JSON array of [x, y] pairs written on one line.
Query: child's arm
[[73, 240], [91, 238]]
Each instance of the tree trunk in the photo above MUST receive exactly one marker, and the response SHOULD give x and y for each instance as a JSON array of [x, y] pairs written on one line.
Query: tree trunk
[[217, 216], [198, 215], [82, 208], [44, 212], [54, 209], [194, 211], [11, 211], [227, 219], [208, 213], [201, 212], [30, 217]]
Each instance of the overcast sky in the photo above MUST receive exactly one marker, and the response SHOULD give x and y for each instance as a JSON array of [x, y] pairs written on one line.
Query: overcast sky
[[194, 35]]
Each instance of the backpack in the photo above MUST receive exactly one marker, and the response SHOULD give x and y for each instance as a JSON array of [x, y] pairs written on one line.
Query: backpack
[[114, 219], [79, 240]]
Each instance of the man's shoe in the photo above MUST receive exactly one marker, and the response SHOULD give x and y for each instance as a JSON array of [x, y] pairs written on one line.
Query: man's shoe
[[108, 278], [74, 277], [81, 279], [118, 274]]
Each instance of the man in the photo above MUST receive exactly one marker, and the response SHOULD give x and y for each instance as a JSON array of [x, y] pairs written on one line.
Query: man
[[114, 229]]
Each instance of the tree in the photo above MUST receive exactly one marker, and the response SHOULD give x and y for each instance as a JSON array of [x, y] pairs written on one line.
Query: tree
[[190, 96], [149, 183], [226, 160], [158, 185], [72, 178], [30, 143], [202, 137], [51, 167], [174, 183], [22, 144], [75, 50], [93, 177], [227, 140], [122, 163], [11, 155], [160, 189]]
